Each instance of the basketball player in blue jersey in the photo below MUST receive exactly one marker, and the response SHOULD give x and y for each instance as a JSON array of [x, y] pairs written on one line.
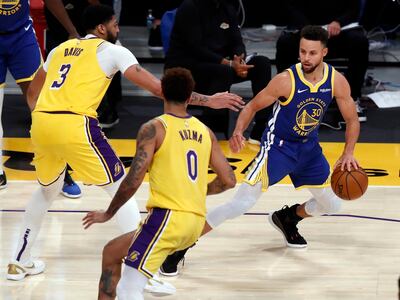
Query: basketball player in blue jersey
[[20, 54], [64, 96], [301, 96], [177, 149]]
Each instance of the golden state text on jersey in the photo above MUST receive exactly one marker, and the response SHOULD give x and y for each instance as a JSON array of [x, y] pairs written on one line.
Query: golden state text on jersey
[[298, 116]]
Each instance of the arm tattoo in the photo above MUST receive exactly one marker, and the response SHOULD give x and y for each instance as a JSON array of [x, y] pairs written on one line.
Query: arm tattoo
[[106, 283], [198, 99], [138, 68], [139, 164]]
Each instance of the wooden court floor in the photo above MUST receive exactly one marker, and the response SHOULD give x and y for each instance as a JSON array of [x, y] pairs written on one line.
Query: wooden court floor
[[352, 255]]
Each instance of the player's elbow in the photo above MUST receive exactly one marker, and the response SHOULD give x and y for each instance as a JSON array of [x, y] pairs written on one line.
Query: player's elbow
[[230, 182]]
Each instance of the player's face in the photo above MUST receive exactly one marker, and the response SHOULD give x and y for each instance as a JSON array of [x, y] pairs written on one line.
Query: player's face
[[312, 54], [112, 30]]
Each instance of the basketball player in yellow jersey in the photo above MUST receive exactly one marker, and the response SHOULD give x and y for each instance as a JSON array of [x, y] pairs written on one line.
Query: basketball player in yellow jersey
[[177, 149], [64, 96]]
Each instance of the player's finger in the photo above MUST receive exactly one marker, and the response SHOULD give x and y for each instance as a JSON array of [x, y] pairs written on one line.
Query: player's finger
[[236, 98]]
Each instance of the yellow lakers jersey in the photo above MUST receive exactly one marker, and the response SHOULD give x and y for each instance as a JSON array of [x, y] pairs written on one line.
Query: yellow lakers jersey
[[74, 82], [178, 173]]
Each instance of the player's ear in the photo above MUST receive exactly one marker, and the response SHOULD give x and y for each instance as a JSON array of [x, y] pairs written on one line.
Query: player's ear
[[101, 28], [325, 51]]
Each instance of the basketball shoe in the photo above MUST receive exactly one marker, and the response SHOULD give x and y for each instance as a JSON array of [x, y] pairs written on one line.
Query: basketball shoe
[[18, 271], [170, 265], [70, 188], [3, 181], [285, 221]]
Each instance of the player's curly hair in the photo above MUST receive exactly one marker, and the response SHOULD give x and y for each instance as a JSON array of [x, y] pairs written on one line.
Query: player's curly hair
[[315, 33], [95, 15], [177, 85]]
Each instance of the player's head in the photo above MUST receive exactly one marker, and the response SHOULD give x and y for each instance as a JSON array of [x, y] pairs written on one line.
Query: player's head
[[177, 85], [312, 50], [100, 20]]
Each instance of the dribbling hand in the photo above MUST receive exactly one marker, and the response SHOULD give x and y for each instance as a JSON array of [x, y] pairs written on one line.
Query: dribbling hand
[[98, 216]]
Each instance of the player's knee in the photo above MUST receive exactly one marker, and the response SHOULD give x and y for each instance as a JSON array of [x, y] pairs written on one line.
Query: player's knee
[[333, 205], [109, 254], [51, 191], [328, 201]]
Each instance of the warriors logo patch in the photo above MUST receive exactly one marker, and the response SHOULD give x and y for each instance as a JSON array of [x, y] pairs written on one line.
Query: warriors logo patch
[[308, 116], [9, 7]]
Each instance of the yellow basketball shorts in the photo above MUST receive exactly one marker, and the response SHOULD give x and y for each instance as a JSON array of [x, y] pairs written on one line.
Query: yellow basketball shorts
[[163, 232], [61, 138]]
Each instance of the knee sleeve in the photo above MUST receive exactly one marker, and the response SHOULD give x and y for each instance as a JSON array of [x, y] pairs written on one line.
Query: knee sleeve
[[51, 191], [128, 216], [131, 285], [323, 202], [244, 199]]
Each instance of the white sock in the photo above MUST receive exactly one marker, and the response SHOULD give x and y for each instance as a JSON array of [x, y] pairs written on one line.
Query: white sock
[[128, 216], [34, 214], [131, 284], [1, 128]]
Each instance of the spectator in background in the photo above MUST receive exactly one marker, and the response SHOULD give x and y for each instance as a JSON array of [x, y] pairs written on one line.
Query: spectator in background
[[158, 8], [206, 39], [343, 43]]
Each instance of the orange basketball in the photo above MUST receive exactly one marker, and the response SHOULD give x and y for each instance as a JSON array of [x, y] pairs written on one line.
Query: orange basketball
[[349, 185]]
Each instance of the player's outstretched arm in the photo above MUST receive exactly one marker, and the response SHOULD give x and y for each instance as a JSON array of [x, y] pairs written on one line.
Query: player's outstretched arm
[[225, 177], [348, 110], [58, 10], [218, 101], [145, 148], [278, 86], [143, 78]]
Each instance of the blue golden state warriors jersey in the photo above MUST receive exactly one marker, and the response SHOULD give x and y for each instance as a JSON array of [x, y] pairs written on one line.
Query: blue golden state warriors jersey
[[14, 14], [298, 117]]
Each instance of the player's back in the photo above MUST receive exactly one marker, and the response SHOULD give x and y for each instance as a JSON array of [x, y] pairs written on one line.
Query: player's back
[[179, 171], [75, 81]]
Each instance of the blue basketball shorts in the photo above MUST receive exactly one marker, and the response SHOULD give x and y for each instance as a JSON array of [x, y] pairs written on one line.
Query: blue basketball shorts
[[20, 54], [303, 161]]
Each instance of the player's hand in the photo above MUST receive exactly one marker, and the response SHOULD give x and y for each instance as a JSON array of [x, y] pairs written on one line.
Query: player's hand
[[98, 216], [346, 161], [237, 142], [226, 100]]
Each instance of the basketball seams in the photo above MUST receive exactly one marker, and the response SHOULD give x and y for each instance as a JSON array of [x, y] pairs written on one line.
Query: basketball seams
[[350, 190], [347, 185], [337, 181], [356, 181]]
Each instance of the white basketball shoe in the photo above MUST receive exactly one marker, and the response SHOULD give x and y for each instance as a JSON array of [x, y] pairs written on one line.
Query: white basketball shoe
[[18, 271]]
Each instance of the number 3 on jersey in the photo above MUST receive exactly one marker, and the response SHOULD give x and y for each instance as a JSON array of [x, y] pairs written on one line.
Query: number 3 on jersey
[[191, 159], [64, 69]]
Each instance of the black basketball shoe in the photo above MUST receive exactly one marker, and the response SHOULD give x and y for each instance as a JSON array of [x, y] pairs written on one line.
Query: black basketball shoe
[[285, 221], [3, 181], [170, 265]]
